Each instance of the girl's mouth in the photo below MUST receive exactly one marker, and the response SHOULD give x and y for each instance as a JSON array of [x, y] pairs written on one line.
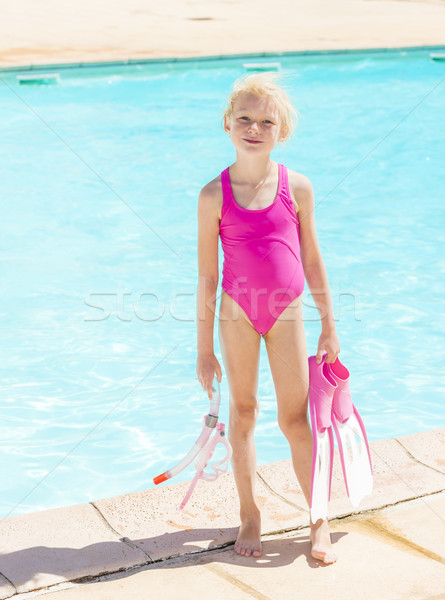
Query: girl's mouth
[[252, 141]]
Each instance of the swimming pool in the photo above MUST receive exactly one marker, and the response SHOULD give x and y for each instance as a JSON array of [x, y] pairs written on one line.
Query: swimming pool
[[101, 174]]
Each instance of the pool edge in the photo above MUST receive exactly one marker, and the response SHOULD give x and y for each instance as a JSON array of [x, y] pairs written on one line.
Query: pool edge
[[219, 57], [84, 542]]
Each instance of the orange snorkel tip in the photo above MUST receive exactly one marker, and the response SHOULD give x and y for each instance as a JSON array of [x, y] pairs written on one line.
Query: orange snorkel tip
[[160, 478]]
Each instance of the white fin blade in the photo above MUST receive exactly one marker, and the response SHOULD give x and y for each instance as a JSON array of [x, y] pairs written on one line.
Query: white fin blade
[[358, 473], [320, 486]]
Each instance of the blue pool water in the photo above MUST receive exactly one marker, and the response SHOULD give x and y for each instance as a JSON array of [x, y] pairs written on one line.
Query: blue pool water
[[100, 177]]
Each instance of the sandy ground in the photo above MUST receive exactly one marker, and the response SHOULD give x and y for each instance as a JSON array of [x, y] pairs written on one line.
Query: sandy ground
[[59, 31]]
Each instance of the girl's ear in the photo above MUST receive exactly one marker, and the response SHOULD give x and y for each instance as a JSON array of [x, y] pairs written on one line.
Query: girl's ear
[[226, 124], [283, 137]]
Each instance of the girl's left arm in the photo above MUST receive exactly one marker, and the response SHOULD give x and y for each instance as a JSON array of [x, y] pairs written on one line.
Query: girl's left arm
[[314, 268]]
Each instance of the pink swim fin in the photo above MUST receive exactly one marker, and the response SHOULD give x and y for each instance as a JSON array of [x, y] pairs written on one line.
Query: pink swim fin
[[351, 437], [321, 393]]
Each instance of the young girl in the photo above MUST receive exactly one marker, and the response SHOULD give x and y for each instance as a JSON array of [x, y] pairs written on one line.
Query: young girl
[[264, 214]]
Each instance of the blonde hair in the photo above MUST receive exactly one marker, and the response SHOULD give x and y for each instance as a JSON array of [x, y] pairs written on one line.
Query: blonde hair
[[264, 84]]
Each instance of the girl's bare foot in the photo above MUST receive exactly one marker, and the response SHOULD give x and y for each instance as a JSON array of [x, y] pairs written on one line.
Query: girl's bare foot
[[248, 541], [321, 542]]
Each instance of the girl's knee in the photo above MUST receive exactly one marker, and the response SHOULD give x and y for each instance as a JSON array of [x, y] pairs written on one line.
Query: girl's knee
[[243, 411], [294, 424]]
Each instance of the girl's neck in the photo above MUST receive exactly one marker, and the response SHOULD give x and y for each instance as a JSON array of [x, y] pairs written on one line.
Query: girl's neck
[[251, 170]]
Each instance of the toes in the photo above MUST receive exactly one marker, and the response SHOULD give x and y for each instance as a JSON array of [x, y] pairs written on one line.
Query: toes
[[330, 559], [256, 551]]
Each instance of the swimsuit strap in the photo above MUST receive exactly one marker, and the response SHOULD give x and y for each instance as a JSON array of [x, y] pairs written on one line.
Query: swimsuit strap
[[284, 186], [282, 178], [226, 191], [285, 194]]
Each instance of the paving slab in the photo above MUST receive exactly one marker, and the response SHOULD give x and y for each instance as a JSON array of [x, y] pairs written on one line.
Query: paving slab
[[397, 477], [418, 525], [152, 521], [6, 589], [176, 580], [427, 446], [373, 563], [48, 547]]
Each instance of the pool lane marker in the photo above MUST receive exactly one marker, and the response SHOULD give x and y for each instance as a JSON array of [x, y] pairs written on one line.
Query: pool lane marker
[[272, 66], [43, 78]]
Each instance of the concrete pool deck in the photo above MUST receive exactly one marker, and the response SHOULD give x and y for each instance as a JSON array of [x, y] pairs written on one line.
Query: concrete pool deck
[[138, 544], [50, 32]]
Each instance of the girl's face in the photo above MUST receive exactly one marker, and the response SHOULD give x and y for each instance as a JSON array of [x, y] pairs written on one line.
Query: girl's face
[[254, 125]]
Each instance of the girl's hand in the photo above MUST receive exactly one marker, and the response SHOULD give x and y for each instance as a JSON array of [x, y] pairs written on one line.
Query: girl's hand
[[328, 342], [206, 367]]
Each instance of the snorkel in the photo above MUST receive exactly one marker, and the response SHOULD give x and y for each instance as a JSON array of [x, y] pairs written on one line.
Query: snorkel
[[212, 434]]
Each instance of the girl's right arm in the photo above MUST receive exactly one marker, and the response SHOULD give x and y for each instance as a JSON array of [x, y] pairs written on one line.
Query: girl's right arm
[[208, 232]]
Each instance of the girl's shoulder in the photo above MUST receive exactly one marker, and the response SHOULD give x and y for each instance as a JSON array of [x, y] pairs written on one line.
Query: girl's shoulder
[[298, 182], [213, 188], [300, 188], [211, 195]]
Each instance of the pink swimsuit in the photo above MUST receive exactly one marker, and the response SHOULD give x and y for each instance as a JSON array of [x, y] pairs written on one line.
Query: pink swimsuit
[[262, 268]]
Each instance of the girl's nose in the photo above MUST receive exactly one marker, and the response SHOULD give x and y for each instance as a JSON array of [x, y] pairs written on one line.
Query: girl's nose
[[253, 126]]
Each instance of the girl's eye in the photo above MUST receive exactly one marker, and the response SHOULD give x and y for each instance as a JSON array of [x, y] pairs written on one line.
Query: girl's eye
[[268, 122]]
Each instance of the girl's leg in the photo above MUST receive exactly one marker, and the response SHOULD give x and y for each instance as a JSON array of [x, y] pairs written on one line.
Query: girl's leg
[[286, 349], [240, 347]]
